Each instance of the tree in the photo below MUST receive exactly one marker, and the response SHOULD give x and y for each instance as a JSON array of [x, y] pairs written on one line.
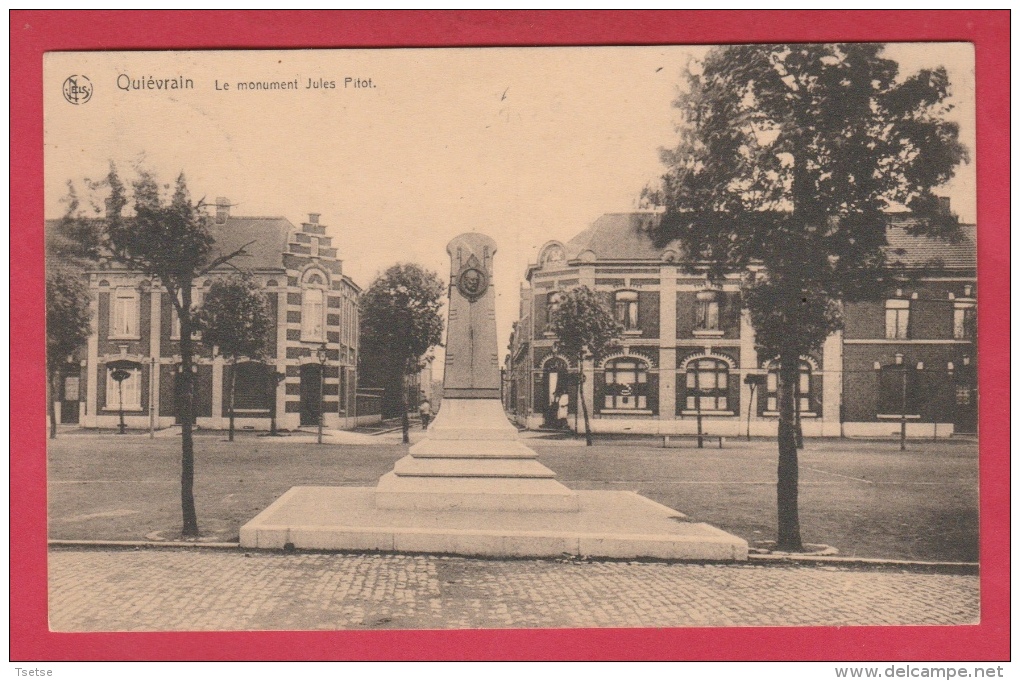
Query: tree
[[235, 322], [168, 240], [401, 323], [68, 326], [789, 158], [584, 327]]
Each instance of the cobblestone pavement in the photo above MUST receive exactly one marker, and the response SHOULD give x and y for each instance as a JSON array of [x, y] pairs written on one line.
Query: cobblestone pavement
[[167, 589]]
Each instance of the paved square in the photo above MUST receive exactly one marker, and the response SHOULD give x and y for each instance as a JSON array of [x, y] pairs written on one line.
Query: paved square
[[203, 590]]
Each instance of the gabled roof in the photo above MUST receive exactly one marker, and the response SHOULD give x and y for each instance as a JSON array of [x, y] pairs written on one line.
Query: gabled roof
[[626, 237]]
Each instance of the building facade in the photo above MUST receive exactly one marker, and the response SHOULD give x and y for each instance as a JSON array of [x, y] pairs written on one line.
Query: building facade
[[312, 357], [687, 352]]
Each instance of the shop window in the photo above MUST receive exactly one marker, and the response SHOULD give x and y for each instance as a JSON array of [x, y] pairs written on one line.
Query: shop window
[[130, 389], [897, 319], [626, 309], [707, 384], [803, 392], [124, 314], [626, 384]]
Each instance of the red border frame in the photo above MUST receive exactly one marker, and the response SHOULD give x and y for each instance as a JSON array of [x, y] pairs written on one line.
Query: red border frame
[[34, 32]]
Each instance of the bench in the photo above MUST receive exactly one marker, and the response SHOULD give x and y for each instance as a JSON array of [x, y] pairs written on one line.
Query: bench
[[704, 436]]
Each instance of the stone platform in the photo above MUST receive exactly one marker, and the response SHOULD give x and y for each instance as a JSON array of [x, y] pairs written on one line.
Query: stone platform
[[607, 524]]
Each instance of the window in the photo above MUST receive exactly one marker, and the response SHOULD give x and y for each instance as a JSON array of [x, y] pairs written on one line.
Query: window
[[964, 321], [898, 389], [897, 319], [124, 314], [130, 388], [312, 315], [552, 304], [626, 309], [626, 384], [707, 311], [803, 392], [253, 387], [707, 385]]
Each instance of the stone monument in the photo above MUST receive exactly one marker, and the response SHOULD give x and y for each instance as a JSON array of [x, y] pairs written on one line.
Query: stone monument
[[472, 457], [472, 487]]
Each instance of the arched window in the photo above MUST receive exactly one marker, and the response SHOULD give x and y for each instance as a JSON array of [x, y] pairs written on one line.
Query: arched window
[[313, 307], [708, 385], [311, 315], [803, 391], [626, 384], [625, 309]]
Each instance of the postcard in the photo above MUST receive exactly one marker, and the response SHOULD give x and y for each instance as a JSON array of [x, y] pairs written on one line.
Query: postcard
[[551, 340]]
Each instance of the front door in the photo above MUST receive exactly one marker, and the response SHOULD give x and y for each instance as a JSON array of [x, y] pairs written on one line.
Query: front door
[[70, 397], [311, 394]]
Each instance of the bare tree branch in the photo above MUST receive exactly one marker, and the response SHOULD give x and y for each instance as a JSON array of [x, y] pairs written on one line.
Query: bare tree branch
[[223, 259]]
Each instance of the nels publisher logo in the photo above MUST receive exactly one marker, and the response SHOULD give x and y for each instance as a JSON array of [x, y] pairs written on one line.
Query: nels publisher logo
[[77, 89]]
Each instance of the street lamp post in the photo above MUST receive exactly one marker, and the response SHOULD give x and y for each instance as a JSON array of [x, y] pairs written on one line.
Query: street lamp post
[[120, 375], [320, 354]]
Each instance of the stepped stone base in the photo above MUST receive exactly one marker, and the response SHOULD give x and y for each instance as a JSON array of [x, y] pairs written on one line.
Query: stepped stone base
[[606, 525], [471, 459]]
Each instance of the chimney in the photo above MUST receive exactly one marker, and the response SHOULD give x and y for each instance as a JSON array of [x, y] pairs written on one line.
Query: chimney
[[222, 210], [313, 218], [943, 204]]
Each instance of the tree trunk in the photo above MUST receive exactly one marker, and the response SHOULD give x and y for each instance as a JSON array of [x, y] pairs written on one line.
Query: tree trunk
[[189, 526], [788, 538], [405, 423], [52, 390], [584, 403], [230, 407]]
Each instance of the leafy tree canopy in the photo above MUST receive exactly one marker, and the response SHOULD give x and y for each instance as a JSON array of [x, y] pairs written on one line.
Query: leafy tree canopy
[[400, 315], [68, 314], [790, 157], [235, 318], [583, 325]]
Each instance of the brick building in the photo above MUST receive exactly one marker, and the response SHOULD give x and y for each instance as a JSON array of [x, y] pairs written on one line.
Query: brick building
[[688, 347], [136, 326]]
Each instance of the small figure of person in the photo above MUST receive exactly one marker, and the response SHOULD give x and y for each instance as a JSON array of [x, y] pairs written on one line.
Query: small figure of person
[[425, 411], [562, 402]]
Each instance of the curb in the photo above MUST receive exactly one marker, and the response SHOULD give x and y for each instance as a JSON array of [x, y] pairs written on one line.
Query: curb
[[128, 544], [762, 560]]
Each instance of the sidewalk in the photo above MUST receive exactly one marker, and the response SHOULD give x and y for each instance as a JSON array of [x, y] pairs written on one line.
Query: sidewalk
[[203, 590]]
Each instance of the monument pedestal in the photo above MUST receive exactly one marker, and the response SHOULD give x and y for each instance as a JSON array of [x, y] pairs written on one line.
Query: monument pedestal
[[472, 460], [472, 487]]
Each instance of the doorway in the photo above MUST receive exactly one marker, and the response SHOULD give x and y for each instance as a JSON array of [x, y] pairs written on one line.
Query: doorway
[[311, 394]]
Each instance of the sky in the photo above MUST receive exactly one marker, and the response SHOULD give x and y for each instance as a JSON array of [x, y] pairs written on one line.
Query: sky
[[411, 147]]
